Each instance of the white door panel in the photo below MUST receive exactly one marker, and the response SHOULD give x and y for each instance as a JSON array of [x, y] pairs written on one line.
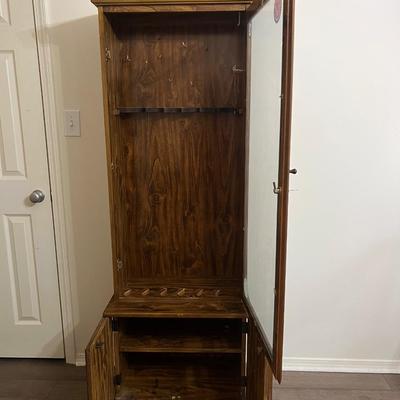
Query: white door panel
[[29, 294], [4, 12]]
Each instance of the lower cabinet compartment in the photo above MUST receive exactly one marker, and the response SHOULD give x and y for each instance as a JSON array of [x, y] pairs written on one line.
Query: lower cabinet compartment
[[173, 376], [174, 335]]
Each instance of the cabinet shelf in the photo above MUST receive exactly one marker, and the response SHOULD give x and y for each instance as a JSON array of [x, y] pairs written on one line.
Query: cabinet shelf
[[179, 344], [186, 377], [178, 110], [181, 308], [181, 336]]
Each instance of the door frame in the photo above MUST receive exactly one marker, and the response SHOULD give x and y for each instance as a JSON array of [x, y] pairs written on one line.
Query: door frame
[[52, 130]]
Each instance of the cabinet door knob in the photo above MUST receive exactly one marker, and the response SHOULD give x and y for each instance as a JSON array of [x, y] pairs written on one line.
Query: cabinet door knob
[[293, 171]]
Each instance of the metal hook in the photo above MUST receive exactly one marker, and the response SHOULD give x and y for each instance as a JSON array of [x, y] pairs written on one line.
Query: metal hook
[[236, 69], [276, 189]]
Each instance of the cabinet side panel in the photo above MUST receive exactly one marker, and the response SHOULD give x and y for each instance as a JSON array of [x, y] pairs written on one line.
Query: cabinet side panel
[[107, 50]]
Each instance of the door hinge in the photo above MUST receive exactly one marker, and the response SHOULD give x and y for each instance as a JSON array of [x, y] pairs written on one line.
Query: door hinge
[[244, 381], [114, 324], [114, 166], [120, 264], [235, 68], [117, 379], [108, 54], [245, 327]]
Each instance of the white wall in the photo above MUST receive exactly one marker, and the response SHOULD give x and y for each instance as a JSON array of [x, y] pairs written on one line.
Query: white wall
[[73, 29], [343, 278], [343, 274]]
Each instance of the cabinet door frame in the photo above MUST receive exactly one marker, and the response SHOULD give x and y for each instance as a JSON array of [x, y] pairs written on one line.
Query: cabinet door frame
[[274, 350], [100, 367], [259, 373]]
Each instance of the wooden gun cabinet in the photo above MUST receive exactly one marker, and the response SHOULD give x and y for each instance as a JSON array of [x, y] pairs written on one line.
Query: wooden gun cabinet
[[189, 244]]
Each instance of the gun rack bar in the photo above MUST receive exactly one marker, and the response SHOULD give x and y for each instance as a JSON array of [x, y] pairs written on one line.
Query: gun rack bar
[[177, 110]]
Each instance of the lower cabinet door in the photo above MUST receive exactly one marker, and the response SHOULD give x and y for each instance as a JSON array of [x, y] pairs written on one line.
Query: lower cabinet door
[[259, 373], [99, 363]]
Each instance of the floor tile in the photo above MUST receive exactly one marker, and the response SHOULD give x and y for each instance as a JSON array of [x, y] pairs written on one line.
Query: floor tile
[[42, 369], [25, 388], [76, 390], [314, 380], [309, 394], [393, 381]]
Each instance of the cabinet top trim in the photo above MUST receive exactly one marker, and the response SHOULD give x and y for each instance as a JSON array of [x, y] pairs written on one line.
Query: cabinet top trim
[[127, 3]]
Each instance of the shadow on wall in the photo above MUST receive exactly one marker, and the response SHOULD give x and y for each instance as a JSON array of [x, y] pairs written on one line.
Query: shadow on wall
[[76, 67]]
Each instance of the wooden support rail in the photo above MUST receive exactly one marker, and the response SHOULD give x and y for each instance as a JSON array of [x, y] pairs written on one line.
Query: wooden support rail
[[177, 110]]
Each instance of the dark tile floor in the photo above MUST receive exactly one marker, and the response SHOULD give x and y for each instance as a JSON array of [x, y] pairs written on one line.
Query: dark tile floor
[[41, 380], [338, 386], [54, 380]]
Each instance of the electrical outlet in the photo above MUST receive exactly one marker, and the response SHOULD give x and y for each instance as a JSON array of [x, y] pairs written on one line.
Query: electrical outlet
[[72, 123]]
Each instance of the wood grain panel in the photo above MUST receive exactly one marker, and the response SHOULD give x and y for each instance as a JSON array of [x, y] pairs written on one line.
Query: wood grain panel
[[99, 363], [180, 193], [146, 7], [259, 374], [179, 61], [124, 3], [153, 376], [180, 308], [141, 335]]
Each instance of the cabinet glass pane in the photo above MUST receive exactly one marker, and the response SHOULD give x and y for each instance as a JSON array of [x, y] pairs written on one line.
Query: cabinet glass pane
[[264, 135]]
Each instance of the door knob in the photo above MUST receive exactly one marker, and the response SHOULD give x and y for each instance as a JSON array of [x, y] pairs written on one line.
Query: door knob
[[37, 196], [293, 171]]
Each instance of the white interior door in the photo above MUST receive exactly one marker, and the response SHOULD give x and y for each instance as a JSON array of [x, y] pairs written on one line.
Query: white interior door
[[29, 294]]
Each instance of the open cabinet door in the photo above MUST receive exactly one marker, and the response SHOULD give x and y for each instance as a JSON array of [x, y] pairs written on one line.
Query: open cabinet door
[[259, 374], [270, 49], [99, 363]]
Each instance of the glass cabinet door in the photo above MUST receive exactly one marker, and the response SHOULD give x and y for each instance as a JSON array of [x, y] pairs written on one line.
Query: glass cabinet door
[[269, 104]]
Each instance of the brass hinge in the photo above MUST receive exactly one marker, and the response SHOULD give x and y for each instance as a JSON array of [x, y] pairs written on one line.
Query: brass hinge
[[114, 324], [120, 264], [108, 54], [235, 68], [117, 379]]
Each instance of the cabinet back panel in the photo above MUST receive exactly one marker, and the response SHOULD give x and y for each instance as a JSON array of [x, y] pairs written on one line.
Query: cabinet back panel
[[178, 185], [181, 195], [176, 61]]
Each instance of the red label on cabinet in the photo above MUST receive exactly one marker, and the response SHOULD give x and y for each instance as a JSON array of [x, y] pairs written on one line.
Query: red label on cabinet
[[277, 10]]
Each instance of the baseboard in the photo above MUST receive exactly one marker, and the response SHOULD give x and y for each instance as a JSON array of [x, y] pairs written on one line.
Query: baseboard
[[341, 365], [80, 360]]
